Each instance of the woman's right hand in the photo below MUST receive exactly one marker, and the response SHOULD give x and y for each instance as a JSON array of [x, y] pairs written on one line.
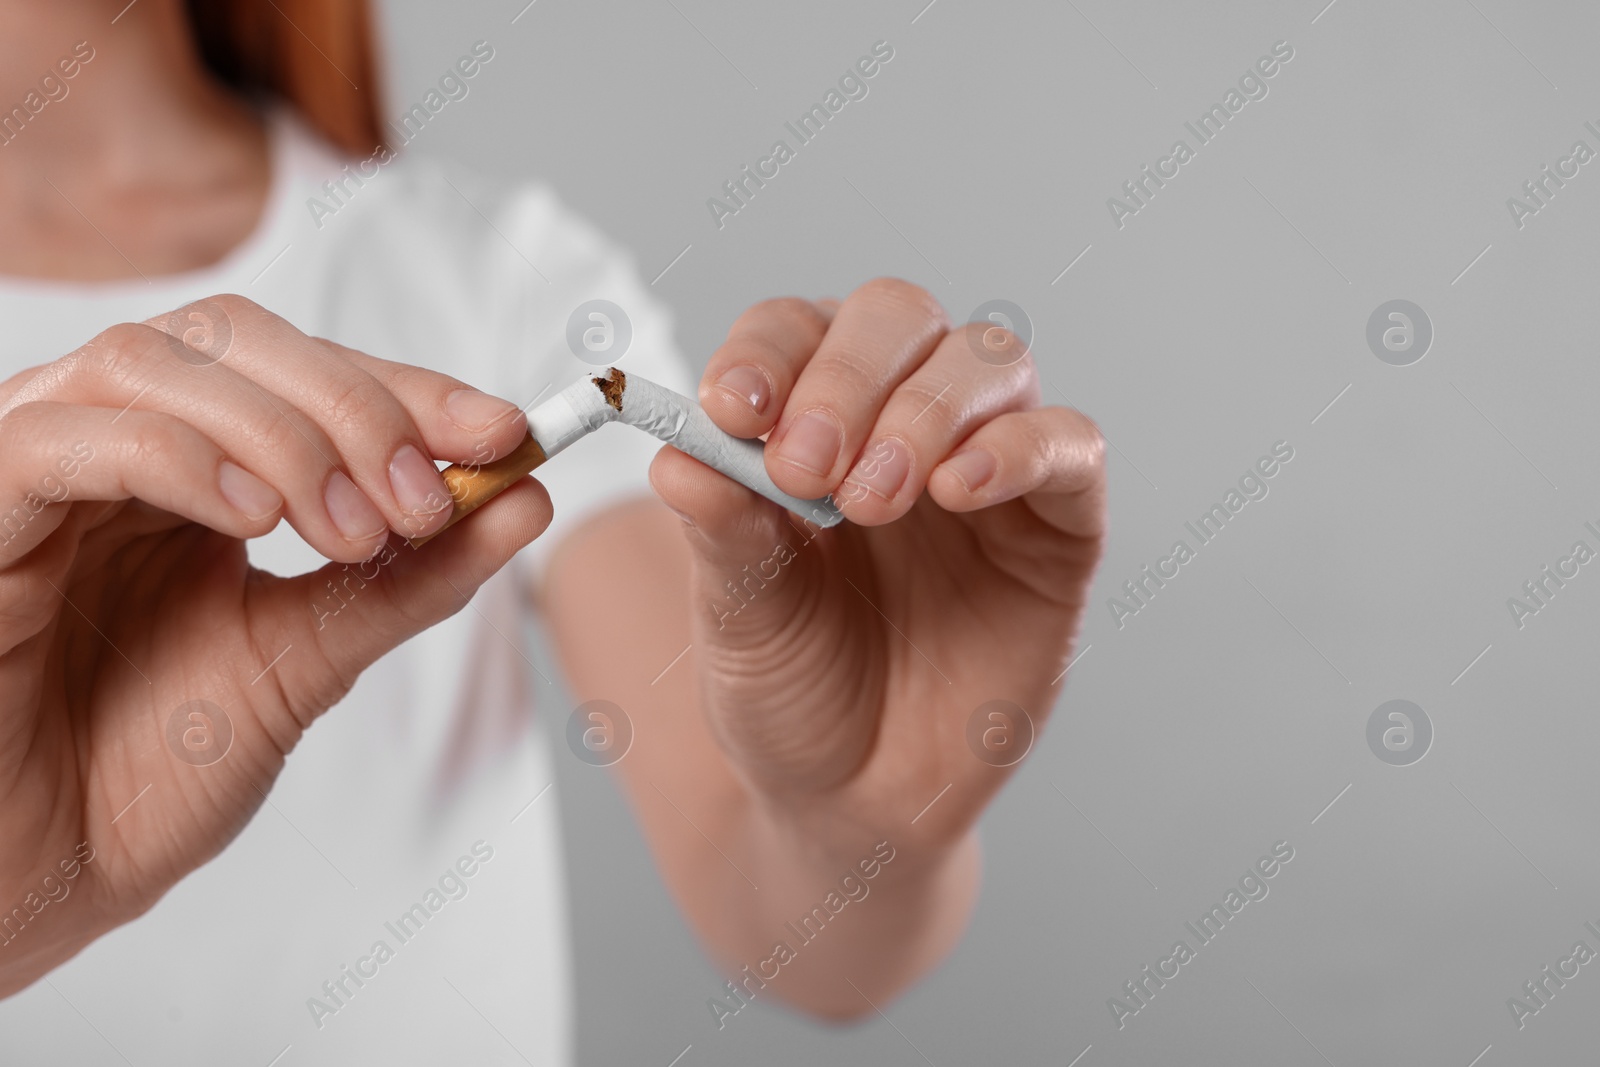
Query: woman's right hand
[[151, 681]]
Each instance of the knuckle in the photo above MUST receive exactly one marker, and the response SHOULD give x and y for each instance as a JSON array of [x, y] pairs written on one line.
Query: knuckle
[[1080, 435], [786, 311], [237, 306], [852, 373], [775, 333], [122, 353], [917, 397], [123, 335], [152, 442], [357, 402], [1094, 443], [18, 427], [901, 295], [282, 437], [14, 385], [1025, 370], [1032, 386], [403, 378]]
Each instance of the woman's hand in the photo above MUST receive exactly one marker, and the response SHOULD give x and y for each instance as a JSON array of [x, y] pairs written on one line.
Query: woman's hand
[[841, 667], [151, 681], [833, 703]]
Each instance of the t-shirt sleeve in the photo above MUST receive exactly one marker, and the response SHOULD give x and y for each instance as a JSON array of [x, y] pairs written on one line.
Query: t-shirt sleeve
[[555, 263]]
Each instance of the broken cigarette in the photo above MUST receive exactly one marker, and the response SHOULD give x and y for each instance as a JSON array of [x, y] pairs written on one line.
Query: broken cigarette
[[590, 403]]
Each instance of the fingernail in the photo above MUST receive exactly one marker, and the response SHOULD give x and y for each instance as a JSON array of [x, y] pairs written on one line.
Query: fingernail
[[475, 411], [882, 469], [253, 498], [812, 443], [749, 385], [974, 467], [352, 513], [419, 491]]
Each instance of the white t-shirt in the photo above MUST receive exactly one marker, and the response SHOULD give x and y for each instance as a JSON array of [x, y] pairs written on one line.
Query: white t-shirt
[[429, 765]]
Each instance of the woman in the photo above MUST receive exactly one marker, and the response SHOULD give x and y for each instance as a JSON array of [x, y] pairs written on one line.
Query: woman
[[800, 703]]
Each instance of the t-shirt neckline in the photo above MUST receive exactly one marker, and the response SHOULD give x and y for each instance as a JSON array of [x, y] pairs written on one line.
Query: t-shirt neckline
[[286, 142]]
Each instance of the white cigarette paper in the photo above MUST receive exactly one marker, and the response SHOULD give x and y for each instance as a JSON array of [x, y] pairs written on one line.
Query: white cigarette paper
[[590, 403]]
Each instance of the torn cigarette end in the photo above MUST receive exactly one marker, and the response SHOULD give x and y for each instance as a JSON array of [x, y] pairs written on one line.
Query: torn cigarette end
[[612, 387]]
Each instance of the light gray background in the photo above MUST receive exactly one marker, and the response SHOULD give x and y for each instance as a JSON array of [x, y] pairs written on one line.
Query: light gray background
[[1223, 318]]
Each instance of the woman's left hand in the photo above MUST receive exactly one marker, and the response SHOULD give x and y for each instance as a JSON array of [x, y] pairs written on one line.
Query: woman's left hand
[[843, 669], [814, 712]]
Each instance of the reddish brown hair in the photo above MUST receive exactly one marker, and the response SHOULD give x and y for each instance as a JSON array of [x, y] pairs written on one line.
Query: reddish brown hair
[[318, 56]]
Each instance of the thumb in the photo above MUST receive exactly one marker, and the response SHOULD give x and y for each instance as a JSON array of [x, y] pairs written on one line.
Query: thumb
[[756, 566], [349, 615]]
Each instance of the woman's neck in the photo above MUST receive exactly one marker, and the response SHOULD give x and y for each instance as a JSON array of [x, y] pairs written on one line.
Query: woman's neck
[[119, 156]]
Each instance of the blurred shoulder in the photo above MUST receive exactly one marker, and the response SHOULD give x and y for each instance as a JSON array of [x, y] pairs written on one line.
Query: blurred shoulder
[[398, 202], [418, 260]]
